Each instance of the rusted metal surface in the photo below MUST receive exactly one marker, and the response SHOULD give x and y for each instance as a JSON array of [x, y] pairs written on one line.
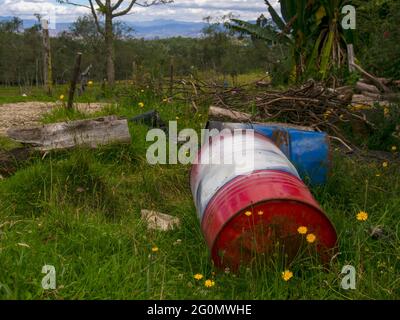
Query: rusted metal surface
[[207, 179], [247, 208], [309, 151]]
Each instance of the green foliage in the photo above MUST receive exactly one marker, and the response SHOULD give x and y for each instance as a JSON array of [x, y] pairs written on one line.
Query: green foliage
[[378, 37], [312, 29], [80, 212]]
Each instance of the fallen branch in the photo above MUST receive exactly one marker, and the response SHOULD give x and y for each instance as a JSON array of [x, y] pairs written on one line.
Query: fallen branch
[[370, 77], [65, 135]]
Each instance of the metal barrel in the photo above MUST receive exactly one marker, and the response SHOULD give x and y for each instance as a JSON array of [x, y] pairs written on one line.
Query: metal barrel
[[308, 150], [246, 208]]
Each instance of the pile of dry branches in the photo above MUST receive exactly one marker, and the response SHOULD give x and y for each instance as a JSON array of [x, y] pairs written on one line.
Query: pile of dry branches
[[312, 104]]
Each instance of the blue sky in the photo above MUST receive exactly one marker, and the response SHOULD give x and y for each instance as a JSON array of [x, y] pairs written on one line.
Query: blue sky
[[183, 10]]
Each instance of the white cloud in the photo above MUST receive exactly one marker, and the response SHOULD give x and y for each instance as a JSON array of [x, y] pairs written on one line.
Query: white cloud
[[183, 10]]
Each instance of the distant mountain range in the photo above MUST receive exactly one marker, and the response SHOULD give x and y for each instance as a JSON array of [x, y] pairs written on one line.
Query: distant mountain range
[[143, 29]]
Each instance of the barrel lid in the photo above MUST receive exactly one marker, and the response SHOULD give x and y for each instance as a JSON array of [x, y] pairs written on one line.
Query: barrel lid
[[253, 213]]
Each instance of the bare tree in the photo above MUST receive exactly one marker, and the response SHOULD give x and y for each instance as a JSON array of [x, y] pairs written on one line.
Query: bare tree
[[111, 9]]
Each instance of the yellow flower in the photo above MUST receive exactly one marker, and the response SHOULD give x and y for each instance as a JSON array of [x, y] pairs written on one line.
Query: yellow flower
[[198, 276], [154, 249], [248, 213], [362, 216], [141, 105], [287, 275], [90, 83], [327, 114], [260, 213], [386, 111], [165, 100], [177, 118], [394, 148], [302, 230], [209, 283], [62, 97], [311, 238], [142, 91], [378, 175], [385, 164]]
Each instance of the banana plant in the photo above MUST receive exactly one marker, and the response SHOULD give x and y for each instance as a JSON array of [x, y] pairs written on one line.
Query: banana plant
[[312, 29]]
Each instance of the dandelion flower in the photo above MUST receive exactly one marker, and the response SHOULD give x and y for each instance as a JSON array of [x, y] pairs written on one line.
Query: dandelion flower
[[287, 275], [177, 118], [362, 216], [302, 230], [198, 276], [141, 105], [90, 83], [248, 213], [385, 164], [155, 249], [311, 238], [209, 283], [386, 112], [394, 148], [62, 97], [165, 100]]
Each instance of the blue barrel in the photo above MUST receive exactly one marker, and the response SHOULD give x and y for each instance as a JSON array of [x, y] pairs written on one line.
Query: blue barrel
[[309, 151]]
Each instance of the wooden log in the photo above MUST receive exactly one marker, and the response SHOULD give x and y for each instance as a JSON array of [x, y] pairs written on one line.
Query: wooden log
[[74, 80], [65, 135], [370, 77], [216, 113], [364, 100], [361, 87]]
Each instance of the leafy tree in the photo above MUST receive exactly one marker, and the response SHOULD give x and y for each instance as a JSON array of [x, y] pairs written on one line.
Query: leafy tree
[[111, 10]]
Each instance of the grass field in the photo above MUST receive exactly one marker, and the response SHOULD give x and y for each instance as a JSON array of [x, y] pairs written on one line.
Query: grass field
[[80, 212]]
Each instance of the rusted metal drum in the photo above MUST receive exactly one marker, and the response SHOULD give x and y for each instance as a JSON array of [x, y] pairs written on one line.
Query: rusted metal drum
[[245, 209], [308, 150]]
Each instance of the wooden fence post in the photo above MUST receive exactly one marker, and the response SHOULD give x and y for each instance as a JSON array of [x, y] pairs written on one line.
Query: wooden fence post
[[350, 56], [47, 68], [74, 80], [171, 77]]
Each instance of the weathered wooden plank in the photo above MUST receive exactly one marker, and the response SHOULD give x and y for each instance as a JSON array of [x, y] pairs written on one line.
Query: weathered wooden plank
[[216, 113], [65, 135]]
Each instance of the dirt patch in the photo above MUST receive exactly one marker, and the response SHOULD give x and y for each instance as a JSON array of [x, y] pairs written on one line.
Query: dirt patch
[[27, 114]]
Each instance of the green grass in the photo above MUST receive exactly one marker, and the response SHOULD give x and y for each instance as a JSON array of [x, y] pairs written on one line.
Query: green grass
[[80, 211], [15, 94]]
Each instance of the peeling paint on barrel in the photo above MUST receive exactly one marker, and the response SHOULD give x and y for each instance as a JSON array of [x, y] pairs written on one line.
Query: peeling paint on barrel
[[245, 214], [309, 151]]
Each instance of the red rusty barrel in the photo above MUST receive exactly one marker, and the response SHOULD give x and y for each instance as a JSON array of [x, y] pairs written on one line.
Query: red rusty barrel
[[244, 211]]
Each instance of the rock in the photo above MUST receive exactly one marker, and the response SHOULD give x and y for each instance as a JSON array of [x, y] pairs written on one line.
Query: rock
[[160, 221], [378, 233]]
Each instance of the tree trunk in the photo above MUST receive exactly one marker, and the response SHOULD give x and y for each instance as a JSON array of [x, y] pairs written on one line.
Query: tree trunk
[[109, 40]]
